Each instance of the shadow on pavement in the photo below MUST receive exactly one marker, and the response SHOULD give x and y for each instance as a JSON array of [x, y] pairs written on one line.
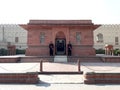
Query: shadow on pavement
[[42, 83]]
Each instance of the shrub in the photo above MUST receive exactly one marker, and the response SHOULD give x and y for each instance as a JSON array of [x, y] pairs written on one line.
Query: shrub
[[18, 51], [100, 51], [3, 52], [117, 51]]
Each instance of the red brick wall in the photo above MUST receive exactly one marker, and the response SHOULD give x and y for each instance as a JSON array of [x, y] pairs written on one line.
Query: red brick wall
[[80, 50], [37, 51], [34, 37], [9, 59], [102, 78], [114, 59], [27, 78], [86, 36]]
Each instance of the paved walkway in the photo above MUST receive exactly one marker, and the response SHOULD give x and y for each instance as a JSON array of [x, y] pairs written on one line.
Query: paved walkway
[[35, 67], [59, 82]]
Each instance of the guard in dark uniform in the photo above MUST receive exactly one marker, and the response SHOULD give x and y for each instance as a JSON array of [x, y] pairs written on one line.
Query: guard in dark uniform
[[51, 49], [69, 46]]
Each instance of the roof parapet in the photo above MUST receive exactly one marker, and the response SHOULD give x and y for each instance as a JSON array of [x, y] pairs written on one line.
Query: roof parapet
[[61, 22]]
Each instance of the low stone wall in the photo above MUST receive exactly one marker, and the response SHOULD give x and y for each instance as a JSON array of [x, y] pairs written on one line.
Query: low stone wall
[[102, 78], [9, 59], [84, 59], [111, 59], [37, 59], [13, 59], [23, 78]]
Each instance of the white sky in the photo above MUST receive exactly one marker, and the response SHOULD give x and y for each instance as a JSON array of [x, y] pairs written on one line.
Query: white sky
[[21, 11]]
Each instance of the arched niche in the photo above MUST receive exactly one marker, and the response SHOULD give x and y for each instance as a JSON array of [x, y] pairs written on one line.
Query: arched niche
[[60, 34], [60, 43]]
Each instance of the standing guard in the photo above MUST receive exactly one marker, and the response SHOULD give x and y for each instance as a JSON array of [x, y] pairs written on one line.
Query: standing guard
[[69, 46], [51, 48]]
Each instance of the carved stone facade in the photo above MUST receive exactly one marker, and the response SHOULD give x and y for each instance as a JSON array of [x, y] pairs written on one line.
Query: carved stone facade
[[78, 32]]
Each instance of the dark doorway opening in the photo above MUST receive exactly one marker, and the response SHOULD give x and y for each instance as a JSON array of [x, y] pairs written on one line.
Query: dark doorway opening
[[60, 46]]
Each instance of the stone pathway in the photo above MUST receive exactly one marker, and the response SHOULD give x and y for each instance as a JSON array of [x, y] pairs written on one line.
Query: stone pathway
[[59, 82], [60, 59]]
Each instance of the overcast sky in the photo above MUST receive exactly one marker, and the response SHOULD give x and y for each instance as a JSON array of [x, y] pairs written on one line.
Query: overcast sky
[[21, 11]]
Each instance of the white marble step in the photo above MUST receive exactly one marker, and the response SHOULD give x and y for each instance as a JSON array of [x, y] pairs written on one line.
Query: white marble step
[[60, 58]]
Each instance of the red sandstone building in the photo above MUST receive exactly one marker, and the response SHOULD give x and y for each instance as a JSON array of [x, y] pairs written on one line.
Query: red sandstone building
[[60, 32]]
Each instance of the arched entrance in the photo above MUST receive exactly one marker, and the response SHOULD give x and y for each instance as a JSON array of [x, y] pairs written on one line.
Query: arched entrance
[[60, 44]]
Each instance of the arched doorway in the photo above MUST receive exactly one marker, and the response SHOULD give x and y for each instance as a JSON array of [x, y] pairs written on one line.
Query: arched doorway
[[60, 44]]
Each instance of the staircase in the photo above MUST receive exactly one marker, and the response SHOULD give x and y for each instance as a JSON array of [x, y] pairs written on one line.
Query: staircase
[[60, 58]]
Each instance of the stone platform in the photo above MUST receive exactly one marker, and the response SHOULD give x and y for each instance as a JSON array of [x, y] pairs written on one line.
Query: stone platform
[[23, 59]]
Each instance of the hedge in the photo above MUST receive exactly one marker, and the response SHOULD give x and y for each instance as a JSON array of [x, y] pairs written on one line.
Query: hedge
[[4, 52]]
